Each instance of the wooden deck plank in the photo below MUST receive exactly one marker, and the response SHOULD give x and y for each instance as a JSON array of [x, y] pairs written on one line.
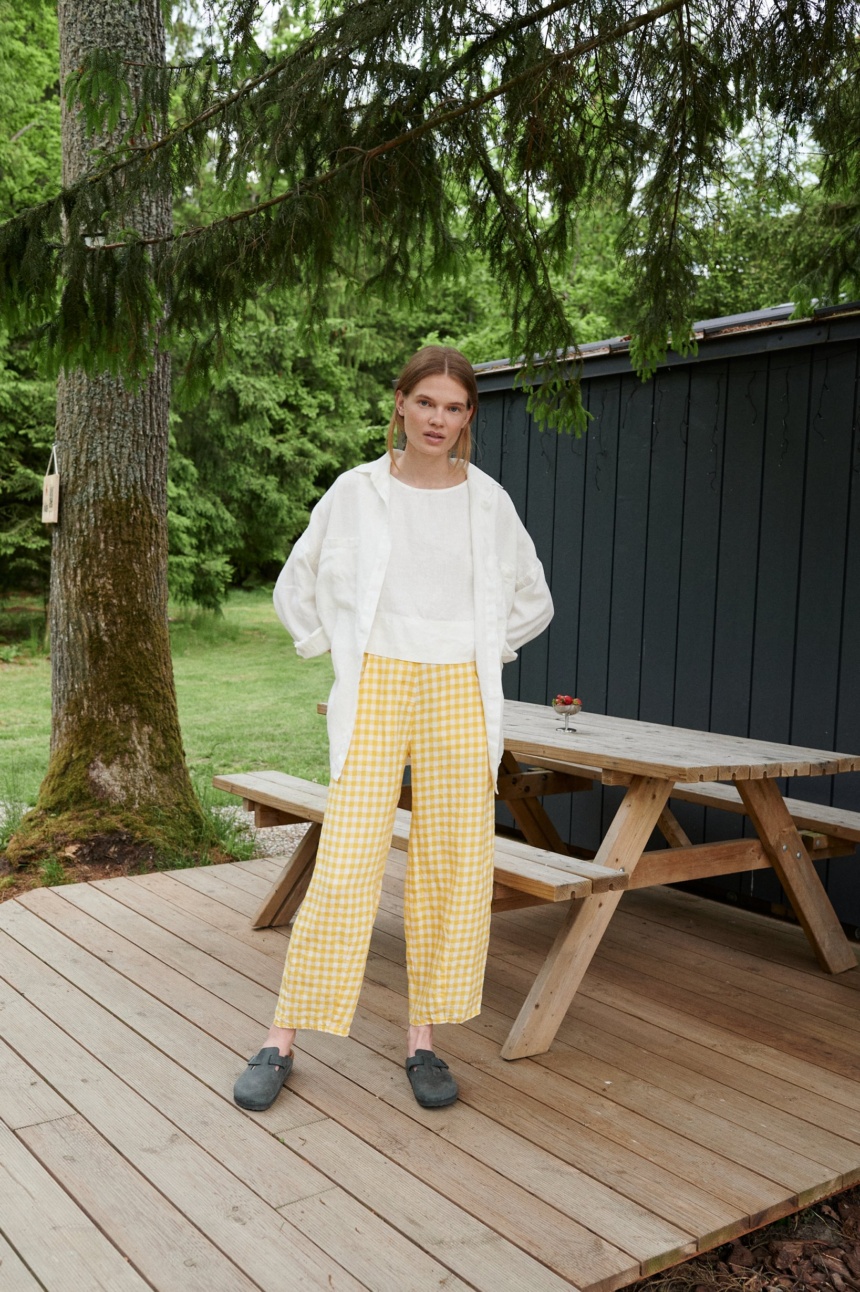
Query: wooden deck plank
[[606, 1161], [242, 877], [237, 955], [598, 1157], [25, 1097], [798, 1092], [290, 1112], [14, 1273], [804, 1074], [210, 881], [151, 1233], [526, 953], [832, 1050], [683, 1012], [629, 1217], [747, 1113], [798, 1106], [228, 916], [50, 1234], [536, 1172], [178, 1094], [755, 959], [740, 1188], [579, 1250], [782, 1128], [596, 1059], [775, 941], [248, 1230], [478, 1254], [801, 1038], [173, 922], [570, 1123], [212, 1058], [785, 1167], [373, 1250], [822, 1029], [355, 1087], [772, 984], [629, 1225]]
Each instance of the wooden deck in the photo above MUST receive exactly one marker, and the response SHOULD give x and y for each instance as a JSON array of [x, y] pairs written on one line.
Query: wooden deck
[[705, 1081]]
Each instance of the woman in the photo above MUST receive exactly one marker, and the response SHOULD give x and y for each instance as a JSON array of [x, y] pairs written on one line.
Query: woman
[[417, 575]]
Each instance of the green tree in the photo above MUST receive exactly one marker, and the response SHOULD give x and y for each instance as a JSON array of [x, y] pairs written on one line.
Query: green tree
[[249, 459], [376, 153], [398, 135], [26, 433], [29, 172], [116, 764]]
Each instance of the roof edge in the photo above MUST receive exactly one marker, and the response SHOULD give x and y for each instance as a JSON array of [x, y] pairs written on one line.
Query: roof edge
[[704, 330]]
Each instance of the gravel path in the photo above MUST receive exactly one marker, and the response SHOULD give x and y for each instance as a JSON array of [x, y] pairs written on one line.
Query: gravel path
[[273, 840]]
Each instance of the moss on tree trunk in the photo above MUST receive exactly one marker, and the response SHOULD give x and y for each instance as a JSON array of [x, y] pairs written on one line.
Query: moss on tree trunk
[[117, 763]]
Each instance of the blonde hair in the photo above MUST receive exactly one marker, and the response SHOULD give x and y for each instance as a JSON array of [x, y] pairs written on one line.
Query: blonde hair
[[431, 361]]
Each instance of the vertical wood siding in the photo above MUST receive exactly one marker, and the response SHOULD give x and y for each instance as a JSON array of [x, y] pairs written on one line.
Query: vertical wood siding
[[702, 542]]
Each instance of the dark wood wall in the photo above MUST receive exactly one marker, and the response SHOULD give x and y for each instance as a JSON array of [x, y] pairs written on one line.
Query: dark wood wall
[[702, 542]]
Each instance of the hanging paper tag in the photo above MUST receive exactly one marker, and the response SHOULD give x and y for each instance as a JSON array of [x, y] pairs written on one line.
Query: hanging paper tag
[[51, 492]]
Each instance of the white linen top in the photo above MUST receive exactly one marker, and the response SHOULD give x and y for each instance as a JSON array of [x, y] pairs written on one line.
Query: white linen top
[[426, 610], [327, 593]]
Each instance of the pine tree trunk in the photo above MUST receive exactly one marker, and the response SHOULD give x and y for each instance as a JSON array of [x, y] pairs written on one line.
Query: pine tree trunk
[[117, 762]]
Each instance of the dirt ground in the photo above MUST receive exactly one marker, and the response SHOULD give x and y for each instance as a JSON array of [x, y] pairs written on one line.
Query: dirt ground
[[107, 857], [79, 863]]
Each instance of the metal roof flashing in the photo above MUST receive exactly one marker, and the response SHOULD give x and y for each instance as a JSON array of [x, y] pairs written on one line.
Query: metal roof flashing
[[717, 338]]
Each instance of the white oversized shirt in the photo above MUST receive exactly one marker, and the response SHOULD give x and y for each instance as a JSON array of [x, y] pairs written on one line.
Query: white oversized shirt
[[328, 592], [426, 610]]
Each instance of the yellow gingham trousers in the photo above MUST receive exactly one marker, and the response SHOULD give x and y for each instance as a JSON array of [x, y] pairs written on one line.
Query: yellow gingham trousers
[[433, 715]]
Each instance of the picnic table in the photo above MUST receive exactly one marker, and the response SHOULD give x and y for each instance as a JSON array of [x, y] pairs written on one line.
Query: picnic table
[[656, 763]]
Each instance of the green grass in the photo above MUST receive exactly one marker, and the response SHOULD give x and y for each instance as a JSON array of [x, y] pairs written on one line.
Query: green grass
[[246, 700], [52, 872]]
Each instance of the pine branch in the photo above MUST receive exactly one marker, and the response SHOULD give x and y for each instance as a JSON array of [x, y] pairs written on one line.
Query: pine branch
[[432, 123], [398, 128]]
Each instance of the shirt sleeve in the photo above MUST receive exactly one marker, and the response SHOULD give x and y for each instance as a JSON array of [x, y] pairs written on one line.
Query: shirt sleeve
[[532, 608], [295, 590]]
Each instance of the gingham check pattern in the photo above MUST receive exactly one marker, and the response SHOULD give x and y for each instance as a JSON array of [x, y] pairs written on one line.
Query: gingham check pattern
[[431, 713]]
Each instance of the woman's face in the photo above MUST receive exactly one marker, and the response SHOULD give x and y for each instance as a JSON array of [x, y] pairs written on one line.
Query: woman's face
[[434, 413]]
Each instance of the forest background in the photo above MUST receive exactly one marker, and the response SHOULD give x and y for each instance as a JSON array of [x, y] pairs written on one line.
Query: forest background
[[287, 414]]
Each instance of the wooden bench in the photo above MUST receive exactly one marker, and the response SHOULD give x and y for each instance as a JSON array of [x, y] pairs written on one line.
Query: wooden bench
[[524, 874], [827, 831], [828, 824]]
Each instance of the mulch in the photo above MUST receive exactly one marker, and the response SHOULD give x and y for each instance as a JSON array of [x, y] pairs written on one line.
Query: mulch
[[814, 1249]]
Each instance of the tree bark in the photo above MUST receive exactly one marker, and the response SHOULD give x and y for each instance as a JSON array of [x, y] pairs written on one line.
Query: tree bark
[[117, 761]]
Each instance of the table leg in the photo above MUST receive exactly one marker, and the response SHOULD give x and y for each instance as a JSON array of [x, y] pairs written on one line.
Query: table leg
[[531, 816], [672, 830], [291, 885], [787, 854], [579, 937]]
